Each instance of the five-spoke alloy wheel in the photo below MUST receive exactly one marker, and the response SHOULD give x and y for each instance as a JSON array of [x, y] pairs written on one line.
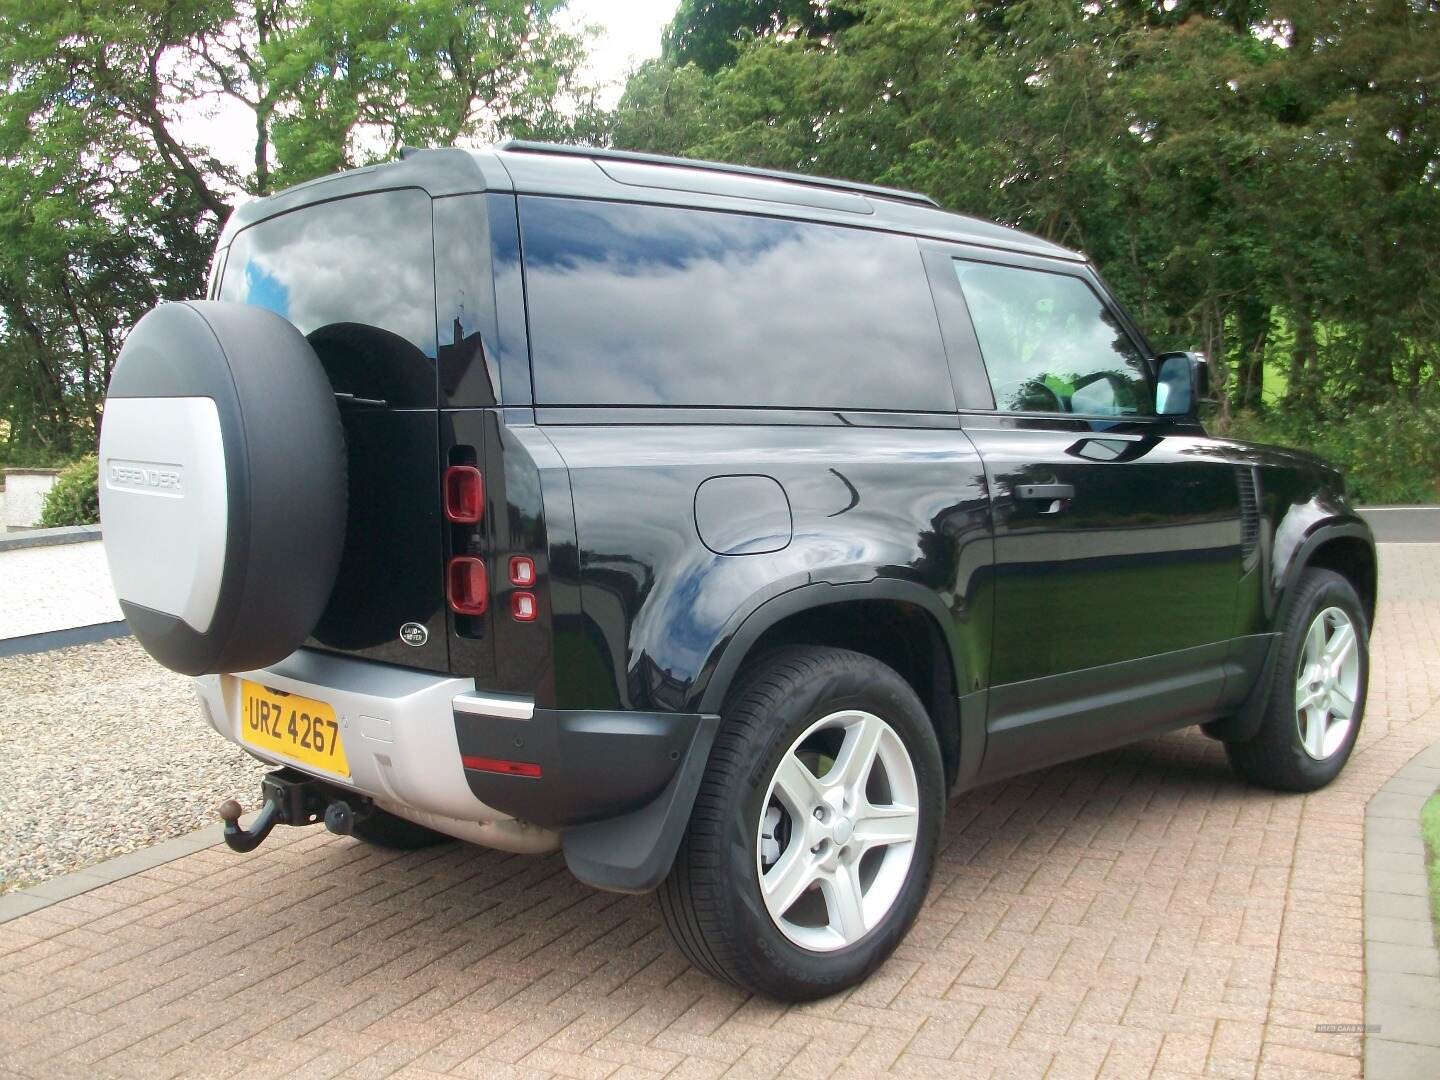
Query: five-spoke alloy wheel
[[813, 837], [1317, 692], [1328, 683], [837, 837]]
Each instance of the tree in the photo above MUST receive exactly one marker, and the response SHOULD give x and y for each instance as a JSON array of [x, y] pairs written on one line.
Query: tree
[[106, 208], [711, 33], [1261, 180]]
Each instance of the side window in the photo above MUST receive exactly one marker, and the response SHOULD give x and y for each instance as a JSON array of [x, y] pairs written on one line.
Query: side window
[[648, 305], [1050, 345]]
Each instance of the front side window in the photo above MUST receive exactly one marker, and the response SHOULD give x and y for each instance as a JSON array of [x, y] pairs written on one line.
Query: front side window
[[660, 306], [1050, 345]]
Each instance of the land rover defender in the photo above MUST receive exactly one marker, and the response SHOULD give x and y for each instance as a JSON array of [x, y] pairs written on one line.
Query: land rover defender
[[708, 525]]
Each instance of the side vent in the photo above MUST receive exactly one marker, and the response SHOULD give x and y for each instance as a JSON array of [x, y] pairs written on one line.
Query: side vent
[[1249, 515]]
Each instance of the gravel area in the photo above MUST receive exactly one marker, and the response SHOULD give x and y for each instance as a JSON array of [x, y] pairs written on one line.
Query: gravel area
[[105, 752]]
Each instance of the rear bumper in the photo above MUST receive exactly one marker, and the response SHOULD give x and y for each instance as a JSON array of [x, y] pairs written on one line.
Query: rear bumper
[[589, 765], [398, 728], [622, 783]]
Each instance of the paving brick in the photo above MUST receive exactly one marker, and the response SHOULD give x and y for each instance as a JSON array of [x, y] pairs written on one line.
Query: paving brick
[[1136, 913]]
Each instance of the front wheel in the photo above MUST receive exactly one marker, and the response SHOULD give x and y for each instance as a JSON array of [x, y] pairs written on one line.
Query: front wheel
[[1317, 700], [813, 836]]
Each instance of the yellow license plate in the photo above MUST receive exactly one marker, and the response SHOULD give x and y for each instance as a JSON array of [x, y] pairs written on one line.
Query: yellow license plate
[[295, 726]]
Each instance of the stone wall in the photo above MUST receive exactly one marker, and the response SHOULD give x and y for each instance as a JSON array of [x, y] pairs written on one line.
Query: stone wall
[[25, 491]]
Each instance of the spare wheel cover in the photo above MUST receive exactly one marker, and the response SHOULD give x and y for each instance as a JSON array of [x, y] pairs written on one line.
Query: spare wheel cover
[[222, 486]]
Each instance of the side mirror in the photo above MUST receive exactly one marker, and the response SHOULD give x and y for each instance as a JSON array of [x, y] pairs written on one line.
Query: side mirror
[[1182, 382]]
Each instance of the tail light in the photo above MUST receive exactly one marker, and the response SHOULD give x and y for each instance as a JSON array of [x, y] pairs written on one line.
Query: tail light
[[467, 585], [464, 494], [523, 607]]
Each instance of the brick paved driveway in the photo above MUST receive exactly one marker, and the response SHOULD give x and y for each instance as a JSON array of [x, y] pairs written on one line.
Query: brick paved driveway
[[1135, 913]]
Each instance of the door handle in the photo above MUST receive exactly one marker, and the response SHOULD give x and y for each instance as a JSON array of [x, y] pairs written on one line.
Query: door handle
[[1045, 491]]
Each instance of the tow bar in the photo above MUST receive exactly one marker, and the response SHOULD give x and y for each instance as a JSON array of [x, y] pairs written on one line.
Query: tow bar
[[292, 798]]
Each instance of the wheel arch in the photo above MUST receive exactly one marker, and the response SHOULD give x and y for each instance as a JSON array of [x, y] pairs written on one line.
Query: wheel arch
[[899, 623], [1351, 554], [1344, 547]]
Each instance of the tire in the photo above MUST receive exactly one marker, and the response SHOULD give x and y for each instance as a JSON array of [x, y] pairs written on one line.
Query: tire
[[384, 829], [222, 486], [797, 705], [1297, 750]]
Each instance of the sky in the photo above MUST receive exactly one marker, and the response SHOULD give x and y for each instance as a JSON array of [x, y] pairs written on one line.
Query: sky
[[629, 32]]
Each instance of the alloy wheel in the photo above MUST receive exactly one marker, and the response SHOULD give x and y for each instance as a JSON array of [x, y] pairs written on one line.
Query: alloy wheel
[[1327, 683], [838, 829]]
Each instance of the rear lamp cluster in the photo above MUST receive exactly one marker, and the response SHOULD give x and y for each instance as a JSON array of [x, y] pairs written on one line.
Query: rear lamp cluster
[[467, 583]]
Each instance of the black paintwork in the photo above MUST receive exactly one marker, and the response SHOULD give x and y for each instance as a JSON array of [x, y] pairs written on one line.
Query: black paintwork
[[1082, 580]]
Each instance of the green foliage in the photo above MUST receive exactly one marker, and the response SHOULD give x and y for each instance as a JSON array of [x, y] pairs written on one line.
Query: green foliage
[[75, 498], [1390, 450], [1259, 182], [710, 33], [1430, 830], [107, 206]]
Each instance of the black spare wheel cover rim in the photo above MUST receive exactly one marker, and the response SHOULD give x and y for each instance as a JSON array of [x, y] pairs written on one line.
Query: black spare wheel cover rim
[[282, 452]]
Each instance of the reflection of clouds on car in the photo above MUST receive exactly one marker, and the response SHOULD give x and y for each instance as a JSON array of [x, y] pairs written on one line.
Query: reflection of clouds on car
[[619, 292], [313, 268]]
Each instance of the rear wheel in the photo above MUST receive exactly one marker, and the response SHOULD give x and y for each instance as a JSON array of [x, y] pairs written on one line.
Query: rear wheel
[[1317, 700], [813, 837]]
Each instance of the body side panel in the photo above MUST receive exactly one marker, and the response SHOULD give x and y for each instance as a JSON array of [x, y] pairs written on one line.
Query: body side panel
[[907, 505]]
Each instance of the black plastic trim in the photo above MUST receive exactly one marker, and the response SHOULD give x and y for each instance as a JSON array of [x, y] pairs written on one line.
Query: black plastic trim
[[594, 765], [633, 853], [1043, 721], [1252, 666], [715, 683]]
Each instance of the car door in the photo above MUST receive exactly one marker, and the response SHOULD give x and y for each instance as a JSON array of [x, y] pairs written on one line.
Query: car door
[[1117, 532]]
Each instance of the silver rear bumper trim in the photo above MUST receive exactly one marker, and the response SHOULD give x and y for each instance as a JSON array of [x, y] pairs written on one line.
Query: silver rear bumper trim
[[507, 706]]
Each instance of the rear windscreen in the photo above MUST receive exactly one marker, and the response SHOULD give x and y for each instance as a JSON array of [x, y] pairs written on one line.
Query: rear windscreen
[[648, 305], [357, 277]]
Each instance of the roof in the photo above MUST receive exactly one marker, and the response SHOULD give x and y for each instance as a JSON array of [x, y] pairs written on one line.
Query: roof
[[618, 175], [599, 154]]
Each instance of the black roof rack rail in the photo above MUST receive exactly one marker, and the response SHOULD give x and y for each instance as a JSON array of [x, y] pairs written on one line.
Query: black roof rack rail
[[528, 147]]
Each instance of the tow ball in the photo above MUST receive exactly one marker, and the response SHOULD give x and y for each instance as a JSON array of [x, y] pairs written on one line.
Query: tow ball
[[291, 798]]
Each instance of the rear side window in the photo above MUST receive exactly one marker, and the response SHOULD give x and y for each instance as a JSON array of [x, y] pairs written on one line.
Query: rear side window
[[1050, 345], [647, 305], [357, 277]]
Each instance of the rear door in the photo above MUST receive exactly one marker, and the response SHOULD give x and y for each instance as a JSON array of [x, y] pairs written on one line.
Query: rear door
[[356, 276], [1117, 532]]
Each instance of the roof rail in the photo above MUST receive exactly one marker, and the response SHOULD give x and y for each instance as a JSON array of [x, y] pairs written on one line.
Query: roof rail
[[528, 147]]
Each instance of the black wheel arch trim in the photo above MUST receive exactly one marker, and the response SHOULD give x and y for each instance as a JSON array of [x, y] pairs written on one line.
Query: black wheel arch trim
[[1352, 528], [736, 646], [1245, 723]]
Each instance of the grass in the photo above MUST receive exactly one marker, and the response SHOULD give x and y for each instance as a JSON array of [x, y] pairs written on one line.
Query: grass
[[1430, 829]]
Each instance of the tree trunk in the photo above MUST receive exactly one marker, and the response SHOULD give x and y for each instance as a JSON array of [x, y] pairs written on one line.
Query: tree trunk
[[1253, 330], [1303, 366]]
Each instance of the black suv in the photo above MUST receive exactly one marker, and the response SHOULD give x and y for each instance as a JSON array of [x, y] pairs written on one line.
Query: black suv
[[706, 524]]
